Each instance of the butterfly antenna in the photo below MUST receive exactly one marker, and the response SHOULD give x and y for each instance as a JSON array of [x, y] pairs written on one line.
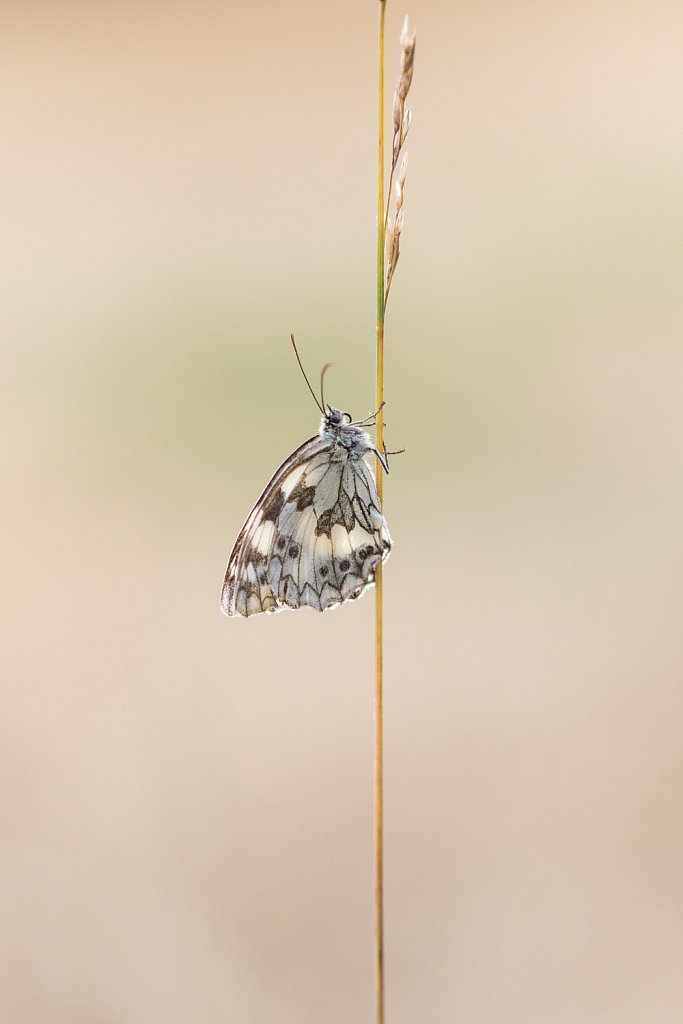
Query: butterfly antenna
[[308, 383], [322, 375]]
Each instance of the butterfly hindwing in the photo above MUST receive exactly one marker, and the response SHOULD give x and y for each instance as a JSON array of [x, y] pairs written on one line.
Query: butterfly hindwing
[[314, 537]]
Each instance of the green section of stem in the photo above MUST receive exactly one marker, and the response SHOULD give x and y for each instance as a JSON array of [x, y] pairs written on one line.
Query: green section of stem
[[378, 760]]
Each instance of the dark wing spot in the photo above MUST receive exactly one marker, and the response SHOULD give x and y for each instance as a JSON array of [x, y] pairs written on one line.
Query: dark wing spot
[[339, 514], [293, 550], [303, 496], [344, 565], [324, 523], [346, 511], [274, 507], [281, 541], [323, 571]]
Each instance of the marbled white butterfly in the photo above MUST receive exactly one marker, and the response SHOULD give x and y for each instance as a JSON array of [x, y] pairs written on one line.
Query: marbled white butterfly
[[316, 535]]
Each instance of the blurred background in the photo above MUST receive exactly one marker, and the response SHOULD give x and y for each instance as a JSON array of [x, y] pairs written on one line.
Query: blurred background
[[186, 817]]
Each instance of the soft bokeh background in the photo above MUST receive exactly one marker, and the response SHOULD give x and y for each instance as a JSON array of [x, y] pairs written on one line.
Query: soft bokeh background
[[186, 800]]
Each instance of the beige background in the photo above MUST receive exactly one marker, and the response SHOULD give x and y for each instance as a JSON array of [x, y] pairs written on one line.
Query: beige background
[[186, 804]]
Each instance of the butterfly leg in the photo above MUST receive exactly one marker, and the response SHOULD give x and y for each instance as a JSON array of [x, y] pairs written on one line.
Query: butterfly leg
[[384, 462], [368, 421]]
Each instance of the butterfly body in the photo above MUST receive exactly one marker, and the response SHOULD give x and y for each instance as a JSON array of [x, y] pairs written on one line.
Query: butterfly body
[[316, 535]]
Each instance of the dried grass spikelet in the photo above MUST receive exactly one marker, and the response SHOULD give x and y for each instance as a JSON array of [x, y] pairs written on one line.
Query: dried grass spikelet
[[401, 125]]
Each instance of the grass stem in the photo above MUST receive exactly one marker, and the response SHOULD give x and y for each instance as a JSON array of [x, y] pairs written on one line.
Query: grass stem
[[379, 400]]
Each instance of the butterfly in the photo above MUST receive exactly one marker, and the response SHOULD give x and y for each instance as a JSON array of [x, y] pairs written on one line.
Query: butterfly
[[317, 534]]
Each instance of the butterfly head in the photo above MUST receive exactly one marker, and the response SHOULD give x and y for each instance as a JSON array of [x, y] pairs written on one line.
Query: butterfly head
[[335, 418], [338, 426]]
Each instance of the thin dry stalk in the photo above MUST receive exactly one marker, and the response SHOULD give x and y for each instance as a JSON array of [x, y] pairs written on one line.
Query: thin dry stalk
[[379, 440], [387, 258]]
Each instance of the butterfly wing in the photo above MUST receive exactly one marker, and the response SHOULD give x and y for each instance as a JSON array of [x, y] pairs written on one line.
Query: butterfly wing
[[314, 537]]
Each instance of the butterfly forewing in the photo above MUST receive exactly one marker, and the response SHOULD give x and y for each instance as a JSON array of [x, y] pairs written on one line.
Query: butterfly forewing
[[316, 534]]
